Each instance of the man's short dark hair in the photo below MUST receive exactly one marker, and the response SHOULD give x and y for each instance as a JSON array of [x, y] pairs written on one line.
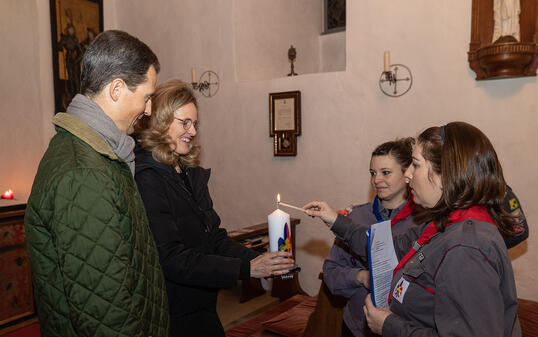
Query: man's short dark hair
[[115, 54]]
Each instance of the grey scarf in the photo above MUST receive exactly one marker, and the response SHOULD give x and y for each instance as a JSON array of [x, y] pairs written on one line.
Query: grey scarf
[[90, 113]]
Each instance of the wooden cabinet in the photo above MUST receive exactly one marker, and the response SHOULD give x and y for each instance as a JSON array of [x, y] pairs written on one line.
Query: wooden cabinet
[[16, 294]]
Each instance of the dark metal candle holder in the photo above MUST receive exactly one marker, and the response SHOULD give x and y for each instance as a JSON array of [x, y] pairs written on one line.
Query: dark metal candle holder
[[388, 82], [208, 85]]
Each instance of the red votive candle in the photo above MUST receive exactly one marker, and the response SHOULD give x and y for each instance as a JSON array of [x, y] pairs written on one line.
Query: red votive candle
[[8, 195]]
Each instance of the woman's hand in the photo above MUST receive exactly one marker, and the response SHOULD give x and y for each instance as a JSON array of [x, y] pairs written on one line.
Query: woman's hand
[[322, 210], [273, 263], [375, 316], [363, 278]]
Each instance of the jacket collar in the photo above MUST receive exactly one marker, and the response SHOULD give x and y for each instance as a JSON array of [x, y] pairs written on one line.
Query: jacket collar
[[385, 212], [199, 176], [82, 131]]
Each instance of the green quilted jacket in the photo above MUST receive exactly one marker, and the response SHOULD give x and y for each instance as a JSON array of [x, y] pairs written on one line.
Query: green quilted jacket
[[94, 263]]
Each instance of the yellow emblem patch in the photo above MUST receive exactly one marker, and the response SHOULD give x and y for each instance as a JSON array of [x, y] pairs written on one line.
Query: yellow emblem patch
[[513, 204]]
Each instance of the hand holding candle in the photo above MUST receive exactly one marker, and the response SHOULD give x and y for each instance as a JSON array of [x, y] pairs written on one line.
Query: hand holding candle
[[280, 240], [322, 210], [271, 264]]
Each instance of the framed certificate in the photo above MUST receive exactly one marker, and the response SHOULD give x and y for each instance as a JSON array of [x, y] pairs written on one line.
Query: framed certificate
[[285, 121]]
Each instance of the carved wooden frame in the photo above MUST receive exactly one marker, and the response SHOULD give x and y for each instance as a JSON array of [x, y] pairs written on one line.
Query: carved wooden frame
[[503, 59]]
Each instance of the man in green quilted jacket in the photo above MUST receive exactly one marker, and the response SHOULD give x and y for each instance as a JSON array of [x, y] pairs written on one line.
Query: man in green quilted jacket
[[94, 263]]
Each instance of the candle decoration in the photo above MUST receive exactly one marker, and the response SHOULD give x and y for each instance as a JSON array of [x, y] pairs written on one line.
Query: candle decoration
[[386, 61], [8, 195], [279, 231], [280, 234], [396, 79], [193, 73], [208, 84]]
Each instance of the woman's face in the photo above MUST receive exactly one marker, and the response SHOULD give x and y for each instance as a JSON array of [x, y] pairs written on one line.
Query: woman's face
[[425, 184], [177, 132], [387, 180]]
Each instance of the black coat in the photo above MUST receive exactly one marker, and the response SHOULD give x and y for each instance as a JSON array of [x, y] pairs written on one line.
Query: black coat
[[196, 255]]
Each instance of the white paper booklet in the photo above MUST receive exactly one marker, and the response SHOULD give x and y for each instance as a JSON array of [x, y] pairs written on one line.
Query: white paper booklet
[[382, 260]]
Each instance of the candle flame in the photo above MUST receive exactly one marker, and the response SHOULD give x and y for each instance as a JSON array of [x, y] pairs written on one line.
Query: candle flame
[[278, 197], [8, 194]]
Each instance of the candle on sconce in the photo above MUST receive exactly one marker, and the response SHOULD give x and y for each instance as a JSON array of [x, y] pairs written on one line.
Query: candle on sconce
[[386, 63], [8, 195], [193, 73]]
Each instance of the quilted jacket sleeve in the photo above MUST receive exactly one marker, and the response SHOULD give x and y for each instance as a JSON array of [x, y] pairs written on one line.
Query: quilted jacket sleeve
[[94, 254], [181, 264]]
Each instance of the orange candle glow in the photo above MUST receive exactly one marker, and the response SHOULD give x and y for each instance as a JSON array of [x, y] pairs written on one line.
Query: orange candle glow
[[8, 195]]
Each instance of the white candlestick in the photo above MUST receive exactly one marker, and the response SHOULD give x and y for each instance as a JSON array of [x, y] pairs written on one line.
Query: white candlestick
[[386, 59], [279, 231], [193, 73]]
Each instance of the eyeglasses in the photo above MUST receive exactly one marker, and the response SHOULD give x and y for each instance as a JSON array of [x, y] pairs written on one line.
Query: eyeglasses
[[187, 123]]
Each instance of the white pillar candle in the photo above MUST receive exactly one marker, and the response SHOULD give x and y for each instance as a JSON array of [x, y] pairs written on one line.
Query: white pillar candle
[[193, 73], [279, 231], [386, 59]]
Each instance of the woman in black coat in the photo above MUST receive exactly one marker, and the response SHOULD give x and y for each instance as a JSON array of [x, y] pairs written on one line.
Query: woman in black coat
[[198, 258]]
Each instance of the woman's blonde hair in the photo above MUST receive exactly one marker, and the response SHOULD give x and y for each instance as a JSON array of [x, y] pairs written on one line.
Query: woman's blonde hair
[[152, 131]]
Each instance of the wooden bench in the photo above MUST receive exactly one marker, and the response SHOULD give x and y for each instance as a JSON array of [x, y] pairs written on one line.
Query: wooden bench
[[312, 316], [325, 319]]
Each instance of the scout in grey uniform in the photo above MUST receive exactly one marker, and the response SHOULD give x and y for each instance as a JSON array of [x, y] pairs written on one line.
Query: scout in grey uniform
[[455, 277], [342, 268]]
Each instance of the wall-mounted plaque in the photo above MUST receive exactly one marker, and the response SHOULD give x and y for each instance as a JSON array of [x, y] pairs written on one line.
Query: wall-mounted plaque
[[285, 121]]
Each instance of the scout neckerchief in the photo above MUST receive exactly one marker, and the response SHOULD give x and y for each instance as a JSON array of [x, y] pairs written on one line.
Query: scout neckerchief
[[402, 214], [479, 213]]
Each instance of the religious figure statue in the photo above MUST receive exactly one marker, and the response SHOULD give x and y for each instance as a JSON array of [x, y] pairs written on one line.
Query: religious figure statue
[[506, 17], [73, 56]]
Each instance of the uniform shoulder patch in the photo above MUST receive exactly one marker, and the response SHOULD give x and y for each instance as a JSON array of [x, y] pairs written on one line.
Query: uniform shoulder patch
[[399, 291], [514, 204]]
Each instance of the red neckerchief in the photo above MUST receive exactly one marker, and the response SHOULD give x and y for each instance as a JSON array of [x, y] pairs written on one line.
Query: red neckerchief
[[476, 212], [404, 212]]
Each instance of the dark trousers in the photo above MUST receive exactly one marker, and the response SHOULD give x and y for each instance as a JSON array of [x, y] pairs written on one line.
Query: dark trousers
[[345, 330]]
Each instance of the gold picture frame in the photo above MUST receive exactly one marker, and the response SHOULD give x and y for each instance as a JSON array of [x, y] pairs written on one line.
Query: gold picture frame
[[74, 24], [285, 121]]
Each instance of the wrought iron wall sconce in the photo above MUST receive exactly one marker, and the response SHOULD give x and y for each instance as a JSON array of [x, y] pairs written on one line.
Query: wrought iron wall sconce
[[208, 84], [396, 79]]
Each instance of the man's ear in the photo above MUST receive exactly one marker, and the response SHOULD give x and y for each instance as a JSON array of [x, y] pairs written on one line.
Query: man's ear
[[115, 88], [147, 111]]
